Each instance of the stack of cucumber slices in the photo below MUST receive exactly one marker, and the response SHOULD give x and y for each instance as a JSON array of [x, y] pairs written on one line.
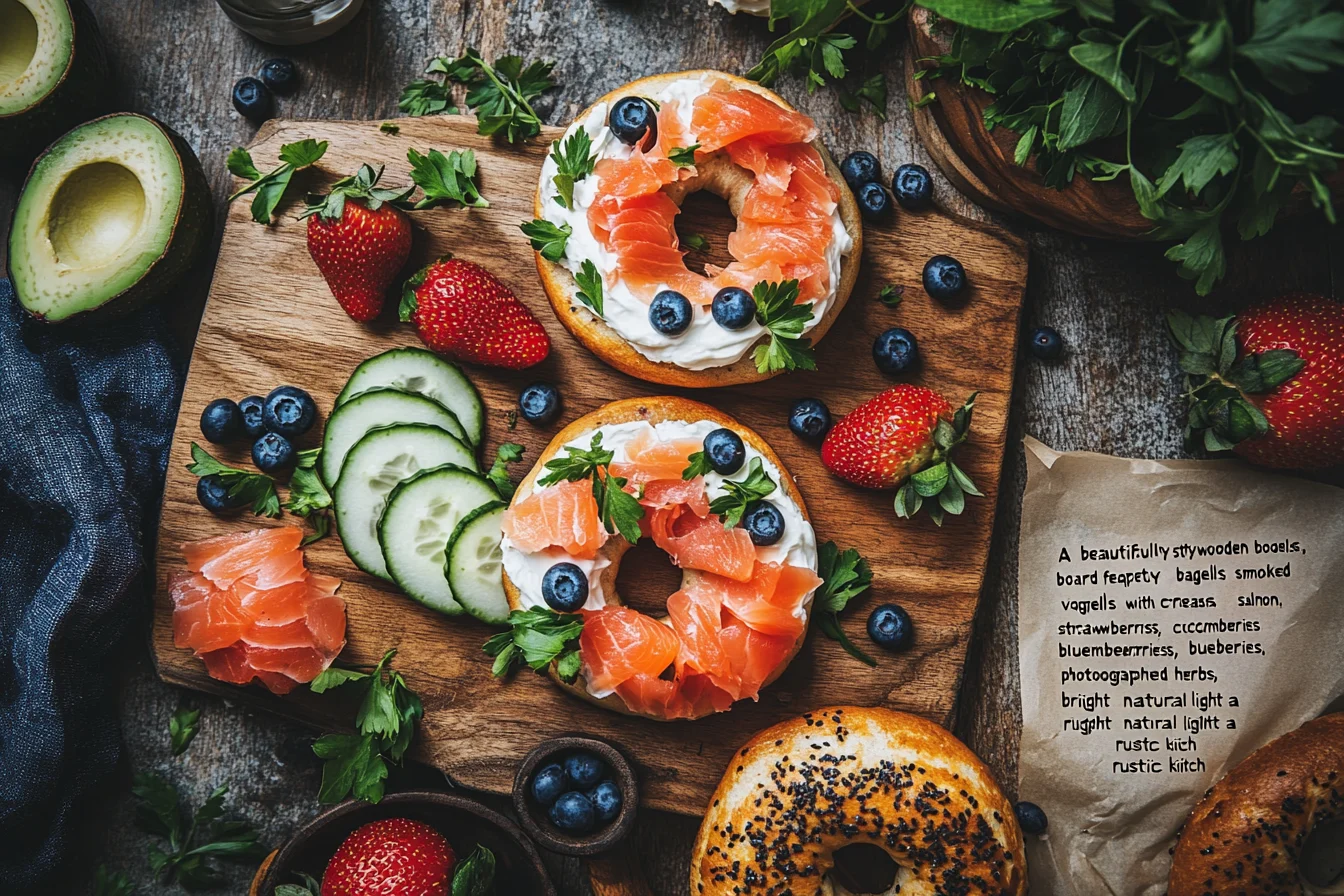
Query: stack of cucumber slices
[[400, 457]]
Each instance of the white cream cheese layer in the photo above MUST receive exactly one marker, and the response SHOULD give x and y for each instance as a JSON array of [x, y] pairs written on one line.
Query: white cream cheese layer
[[755, 7], [705, 344], [798, 546]]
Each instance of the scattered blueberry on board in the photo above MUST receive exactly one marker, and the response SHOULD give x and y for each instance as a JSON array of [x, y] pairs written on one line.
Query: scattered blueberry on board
[[724, 451], [733, 308], [214, 496], [579, 793], [874, 201], [253, 99], [1046, 344], [764, 523], [810, 419], [1031, 817], [573, 813], [860, 168], [222, 421], [548, 784], [564, 587], [288, 411], [252, 406], [670, 313], [273, 454], [944, 277], [539, 403], [631, 119], [912, 187], [890, 627], [280, 75], [895, 351]]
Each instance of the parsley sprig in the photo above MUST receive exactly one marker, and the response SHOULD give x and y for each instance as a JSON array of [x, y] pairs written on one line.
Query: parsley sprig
[[844, 576], [501, 95], [308, 497], [619, 510], [357, 764], [538, 637], [732, 505], [891, 295], [256, 489], [446, 179], [362, 185], [941, 478], [270, 187], [505, 454], [683, 156], [183, 726], [546, 238], [194, 841], [574, 160], [589, 280], [111, 883], [777, 310]]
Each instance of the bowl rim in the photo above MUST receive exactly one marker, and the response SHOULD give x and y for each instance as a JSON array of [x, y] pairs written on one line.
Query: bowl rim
[[599, 841]]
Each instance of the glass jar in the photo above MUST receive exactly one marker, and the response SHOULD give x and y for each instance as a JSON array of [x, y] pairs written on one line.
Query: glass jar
[[288, 22]]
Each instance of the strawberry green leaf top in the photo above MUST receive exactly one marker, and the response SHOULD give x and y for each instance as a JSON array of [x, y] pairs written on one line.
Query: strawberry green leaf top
[[446, 179], [589, 280], [538, 637], [844, 576], [270, 187], [619, 510], [777, 310], [546, 238], [732, 505], [257, 488], [362, 185], [573, 162]]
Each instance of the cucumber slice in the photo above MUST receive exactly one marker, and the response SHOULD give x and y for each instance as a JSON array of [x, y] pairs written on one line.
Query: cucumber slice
[[370, 410], [475, 562], [380, 460], [424, 373], [422, 513]]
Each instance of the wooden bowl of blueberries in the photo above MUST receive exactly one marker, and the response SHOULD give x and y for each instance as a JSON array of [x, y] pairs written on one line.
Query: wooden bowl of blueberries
[[576, 795]]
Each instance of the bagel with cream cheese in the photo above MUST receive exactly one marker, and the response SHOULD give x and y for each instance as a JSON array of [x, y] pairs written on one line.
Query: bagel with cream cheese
[[707, 354], [802, 790], [636, 429]]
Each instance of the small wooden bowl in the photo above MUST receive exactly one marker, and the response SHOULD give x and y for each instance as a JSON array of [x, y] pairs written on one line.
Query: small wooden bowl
[[465, 822], [533, 817]]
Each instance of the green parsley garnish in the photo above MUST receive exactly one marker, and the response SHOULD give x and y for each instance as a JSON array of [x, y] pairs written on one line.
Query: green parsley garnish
[[388, 127], [698, 466], [257, 489], [362, 185], [891, 295], [546, 238], [812, 47], [573, 162], [193, 843], [270, 187], [844, 576], [731, 505], [501, 94], [111, 883], [590, 286], [475, 875], [940, 477], [696, 241], [447, 178], [538, 637], [182, 728], [620, 511], [683, 156], [505, 454], [308, 497], [872, 91], [777, 310]]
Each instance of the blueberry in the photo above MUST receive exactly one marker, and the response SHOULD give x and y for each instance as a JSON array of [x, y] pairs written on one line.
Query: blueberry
[[272, 453], [763, 522], [213, 495], [810, 419], [288, 411], [222, 421], [253, 99], [1031, 817], [539, 403], [944, 277], [670, 313], [724, 451], [733, 308], [564, 587], [280, 75], [874, 202], [890, 627], [252, 406], [895, 351], [584, 770], [860, 168], [548, 784], [573, 813], [912, 187], [632, 119], [1045, 344], [606, 799]]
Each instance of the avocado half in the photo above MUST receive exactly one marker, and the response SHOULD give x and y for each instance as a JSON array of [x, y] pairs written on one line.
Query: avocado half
[[53, 73], [111, 215]]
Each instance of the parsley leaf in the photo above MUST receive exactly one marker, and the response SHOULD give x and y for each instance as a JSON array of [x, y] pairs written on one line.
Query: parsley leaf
[[446, 178], [590, 286], [256, 489], [193, 843], [270, 187], [573, 162], [182, 728], [501, 94], [546, 238], [111, 883], [619, 510], [732, 505], [475, 876], [699, 465], [891, 295], [683, 156], [696, 241], [777, 310], [362, 185], [537, 637], [388, 127], [844, 576], [507, 453], [425, 97], [308, 497]]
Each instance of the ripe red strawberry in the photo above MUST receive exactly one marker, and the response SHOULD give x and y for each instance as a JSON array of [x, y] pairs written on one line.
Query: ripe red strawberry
[[360, 240], [462, 310], [903, 437], [391, 857], [1269, 383]]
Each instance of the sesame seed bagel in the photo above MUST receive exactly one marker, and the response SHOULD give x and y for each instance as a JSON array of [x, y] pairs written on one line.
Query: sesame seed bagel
[[718, 175], [800, 791], [1245, 836], [651, 410]]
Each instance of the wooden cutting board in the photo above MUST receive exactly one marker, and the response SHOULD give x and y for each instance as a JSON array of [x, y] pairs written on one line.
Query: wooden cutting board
[[271, 320]]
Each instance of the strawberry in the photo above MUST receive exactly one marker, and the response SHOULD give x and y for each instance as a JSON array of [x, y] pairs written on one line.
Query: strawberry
[[391, 857], [359, 240], [462, 310], [1268, 384], [902, 438]]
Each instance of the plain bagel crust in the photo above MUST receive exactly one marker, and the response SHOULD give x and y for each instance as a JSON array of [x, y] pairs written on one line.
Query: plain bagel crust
[[1245, 837], [807, 787], [609, 345], [652, 410]]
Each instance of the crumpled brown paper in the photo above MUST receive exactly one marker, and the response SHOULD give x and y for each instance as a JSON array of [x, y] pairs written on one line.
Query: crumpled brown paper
[[1111, 826]]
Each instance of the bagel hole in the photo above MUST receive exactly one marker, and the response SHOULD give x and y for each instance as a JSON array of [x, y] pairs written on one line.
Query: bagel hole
[[706, 216], [1322, 856], [864, 868], [646, 578]]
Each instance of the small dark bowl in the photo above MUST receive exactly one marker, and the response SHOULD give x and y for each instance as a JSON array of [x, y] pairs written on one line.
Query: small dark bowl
[[465, 822], [533, 816]]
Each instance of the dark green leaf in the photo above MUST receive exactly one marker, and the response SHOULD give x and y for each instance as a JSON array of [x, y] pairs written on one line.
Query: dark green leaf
[[830, 627], [574, 161], [183, 727], [732, 504], [698, 466], [589, 280], [546, 238], [777, 310], [1201, 160], [505, 454], [683, 156], [270, 187], [993, 15], [446, 179], [1103, 60], [475, 876]]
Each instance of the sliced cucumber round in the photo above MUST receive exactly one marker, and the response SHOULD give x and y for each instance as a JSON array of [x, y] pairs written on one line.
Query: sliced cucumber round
[[422, 514], [380, 460], [370, 410], [424, 373], [474, 564]]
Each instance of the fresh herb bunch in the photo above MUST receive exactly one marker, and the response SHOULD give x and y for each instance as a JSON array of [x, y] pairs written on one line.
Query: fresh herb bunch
[[501, 95], [844, 576], [1214, 110], [269, 188], [619, 510], [194, 841], [538, 637]]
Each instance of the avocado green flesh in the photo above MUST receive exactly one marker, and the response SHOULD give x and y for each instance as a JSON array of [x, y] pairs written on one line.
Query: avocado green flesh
[[36, 40], [98, 210]]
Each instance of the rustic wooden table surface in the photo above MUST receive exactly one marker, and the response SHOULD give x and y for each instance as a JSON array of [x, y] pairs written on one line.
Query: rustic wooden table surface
[[1116, 390]]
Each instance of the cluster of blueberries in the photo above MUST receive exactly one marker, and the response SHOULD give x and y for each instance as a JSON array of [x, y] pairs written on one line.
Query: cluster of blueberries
[[577, 793], [254, 97], [273, 423]]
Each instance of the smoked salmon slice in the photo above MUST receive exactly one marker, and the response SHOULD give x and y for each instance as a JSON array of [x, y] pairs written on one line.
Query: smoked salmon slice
[[703, 543], [563, 515], [618, 643], [724, 117]]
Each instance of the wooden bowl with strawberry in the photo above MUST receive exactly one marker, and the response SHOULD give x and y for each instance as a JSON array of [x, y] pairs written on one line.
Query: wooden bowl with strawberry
[[410, 844]]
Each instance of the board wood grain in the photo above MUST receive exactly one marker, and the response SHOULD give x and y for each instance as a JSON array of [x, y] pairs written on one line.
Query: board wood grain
[[271, 320]]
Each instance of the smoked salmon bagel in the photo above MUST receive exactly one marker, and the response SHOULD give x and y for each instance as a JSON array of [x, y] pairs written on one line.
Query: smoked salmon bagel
[[690, 471], [800, 791], [796, 221]]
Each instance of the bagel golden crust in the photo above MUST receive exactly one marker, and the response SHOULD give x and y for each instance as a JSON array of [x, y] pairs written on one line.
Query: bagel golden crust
[[807, 787], [1245, 836], [652, 410], [608, 345]]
